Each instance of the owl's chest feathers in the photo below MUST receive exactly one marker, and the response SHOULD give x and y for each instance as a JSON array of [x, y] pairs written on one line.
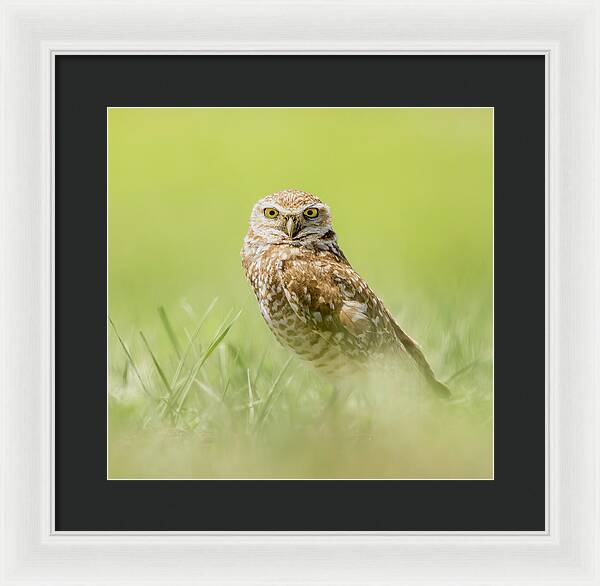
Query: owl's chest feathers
[[265, 267]]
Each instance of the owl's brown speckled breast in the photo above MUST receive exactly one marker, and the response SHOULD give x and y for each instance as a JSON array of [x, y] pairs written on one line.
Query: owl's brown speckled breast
[[264, 265]]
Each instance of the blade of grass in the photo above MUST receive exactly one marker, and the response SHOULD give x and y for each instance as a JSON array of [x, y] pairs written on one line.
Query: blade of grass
[[464, 369], [208, 390], [125, 372], [271, 396], [259, 367], [186, 389], [161, 373], [169, 329], [225, 390], [181, 396], [131, 360], [191, 342], [185, 305], [179, 385], [222, 369], [250, 400]]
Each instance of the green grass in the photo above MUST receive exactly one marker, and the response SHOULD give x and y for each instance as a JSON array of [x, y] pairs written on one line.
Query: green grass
[[227, 405], [198, 389]]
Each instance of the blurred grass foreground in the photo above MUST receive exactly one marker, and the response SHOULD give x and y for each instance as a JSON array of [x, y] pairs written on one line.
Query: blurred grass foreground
[[197, 385]]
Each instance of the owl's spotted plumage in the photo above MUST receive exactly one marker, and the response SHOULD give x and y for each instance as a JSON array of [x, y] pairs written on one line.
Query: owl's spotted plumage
[[312, 299]]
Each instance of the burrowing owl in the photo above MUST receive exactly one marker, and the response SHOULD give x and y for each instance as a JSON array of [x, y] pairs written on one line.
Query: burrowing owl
[[312, 299]]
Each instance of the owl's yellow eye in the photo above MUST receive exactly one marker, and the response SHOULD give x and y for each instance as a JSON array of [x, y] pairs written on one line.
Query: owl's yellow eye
[[271, 213], [311, 213]]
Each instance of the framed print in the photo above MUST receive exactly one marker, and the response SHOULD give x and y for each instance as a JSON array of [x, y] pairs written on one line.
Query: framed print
[[322, 309]]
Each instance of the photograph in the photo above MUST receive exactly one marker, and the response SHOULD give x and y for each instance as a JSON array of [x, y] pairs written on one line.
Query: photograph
[[300, 293]]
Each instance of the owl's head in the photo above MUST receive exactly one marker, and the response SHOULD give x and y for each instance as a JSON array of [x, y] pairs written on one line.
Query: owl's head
[[291, 217]]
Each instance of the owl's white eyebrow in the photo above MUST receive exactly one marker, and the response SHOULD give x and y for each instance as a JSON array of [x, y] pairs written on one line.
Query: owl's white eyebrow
[[288, 211]]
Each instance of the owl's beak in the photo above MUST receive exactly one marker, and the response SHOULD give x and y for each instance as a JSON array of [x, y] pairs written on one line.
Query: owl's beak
[[292, 226]]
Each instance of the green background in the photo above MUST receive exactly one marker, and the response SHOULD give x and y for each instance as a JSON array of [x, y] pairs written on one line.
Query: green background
[[410, 191]]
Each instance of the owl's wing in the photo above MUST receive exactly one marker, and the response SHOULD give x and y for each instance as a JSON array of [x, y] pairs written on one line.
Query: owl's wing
[[332, 298], [329, 297]]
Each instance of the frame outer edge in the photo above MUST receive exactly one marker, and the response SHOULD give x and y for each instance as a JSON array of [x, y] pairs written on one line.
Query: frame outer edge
[[30, 554]]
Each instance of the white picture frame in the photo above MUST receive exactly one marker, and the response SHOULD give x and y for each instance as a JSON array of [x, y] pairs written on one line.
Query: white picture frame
[[565, 31]]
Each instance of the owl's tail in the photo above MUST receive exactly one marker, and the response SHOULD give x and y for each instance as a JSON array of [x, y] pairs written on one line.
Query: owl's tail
[[439, 388], [421, 363]]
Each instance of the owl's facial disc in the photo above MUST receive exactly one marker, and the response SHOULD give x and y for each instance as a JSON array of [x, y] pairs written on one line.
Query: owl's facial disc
[[295, 225], [278, 220]]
